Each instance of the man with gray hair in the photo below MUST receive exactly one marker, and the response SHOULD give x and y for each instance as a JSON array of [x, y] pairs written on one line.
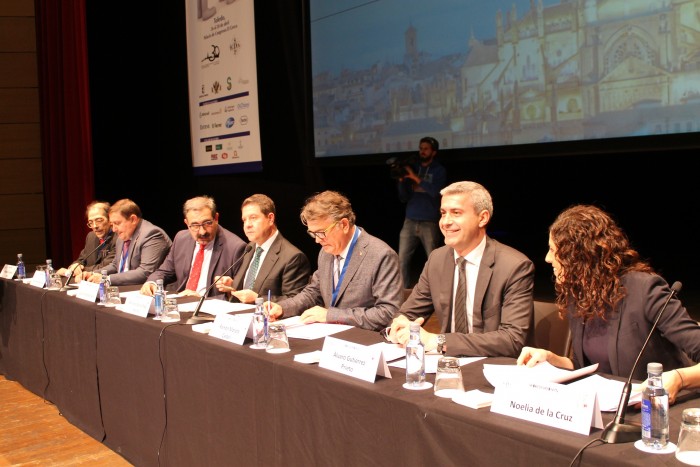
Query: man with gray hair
[[479, 288], [357, 282]]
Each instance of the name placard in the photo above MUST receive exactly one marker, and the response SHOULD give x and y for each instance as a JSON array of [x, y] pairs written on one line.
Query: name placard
[[88, 291], [136, 304], [232, 328], [8, 271], [356, 360], [549, 404], [38, 279]]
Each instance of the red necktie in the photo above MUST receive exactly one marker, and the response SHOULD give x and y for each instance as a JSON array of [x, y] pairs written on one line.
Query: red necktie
[[196, 268]]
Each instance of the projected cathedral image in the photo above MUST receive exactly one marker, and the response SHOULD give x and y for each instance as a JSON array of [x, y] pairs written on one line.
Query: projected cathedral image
[[558, 71]]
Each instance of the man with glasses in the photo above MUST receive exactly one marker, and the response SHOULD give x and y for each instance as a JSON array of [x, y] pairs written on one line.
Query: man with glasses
[[100, 243], [203, 250], [273, 265], [357, 282], [141, 246]]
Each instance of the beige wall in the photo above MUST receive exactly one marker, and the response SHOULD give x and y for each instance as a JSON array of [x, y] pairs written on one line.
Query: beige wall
[[21, 191]]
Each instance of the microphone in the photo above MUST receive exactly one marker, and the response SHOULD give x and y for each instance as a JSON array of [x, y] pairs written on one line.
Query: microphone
[[196, 318], [618, 431], [81, 262]]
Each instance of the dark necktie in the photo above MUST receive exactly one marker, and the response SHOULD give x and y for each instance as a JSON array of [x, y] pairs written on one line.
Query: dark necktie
[[125, 255], [196, 270], [460, 306], [250, 280], [336, 270]]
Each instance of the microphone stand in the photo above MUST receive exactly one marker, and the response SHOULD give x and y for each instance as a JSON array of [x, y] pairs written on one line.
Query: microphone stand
[[80, 263], [83, 262], [618, 431], [196, 318]]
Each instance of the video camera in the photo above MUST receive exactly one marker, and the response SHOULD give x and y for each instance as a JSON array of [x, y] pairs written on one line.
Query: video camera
[[397, 165]]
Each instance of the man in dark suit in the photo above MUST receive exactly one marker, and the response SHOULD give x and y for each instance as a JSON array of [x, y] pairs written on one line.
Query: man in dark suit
[[94, 257], [141, 246], [272, 263], [199, 253], [358, 281], [480, 289]]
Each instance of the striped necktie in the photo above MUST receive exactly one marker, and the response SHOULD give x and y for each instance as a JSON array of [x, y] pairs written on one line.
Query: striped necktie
[[125, 256], [253, 272], [460, 305]]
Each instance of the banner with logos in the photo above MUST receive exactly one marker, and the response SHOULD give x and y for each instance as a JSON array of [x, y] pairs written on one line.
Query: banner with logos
[[223, 86]]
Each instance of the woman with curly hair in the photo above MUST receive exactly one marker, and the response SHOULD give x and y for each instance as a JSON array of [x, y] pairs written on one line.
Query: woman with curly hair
[[612, 298]]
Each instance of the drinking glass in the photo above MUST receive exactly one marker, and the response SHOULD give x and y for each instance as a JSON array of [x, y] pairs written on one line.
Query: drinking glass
[[171, 313], [55, 282], [277, 341], [113, 298], [688, 448], [448, 378]]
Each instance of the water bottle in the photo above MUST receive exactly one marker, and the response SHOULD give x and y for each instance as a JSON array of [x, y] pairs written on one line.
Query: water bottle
[[21, 270], [259, 325], [415, 358], [655, 409], [49, 271], [159, 299], [104, 283]]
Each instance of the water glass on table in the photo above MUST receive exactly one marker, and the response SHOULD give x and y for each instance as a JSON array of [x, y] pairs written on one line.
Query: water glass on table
[[113, 298], [688, 447], [448, 377], [277, 339], [171, 312]]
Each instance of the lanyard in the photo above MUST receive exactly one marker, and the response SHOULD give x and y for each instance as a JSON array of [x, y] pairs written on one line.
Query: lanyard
[[345, 266]]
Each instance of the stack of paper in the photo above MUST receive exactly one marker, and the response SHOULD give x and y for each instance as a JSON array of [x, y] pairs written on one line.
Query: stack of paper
[[544, 371]]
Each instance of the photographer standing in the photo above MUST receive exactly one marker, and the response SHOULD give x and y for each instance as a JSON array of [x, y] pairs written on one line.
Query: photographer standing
[[419, 188]]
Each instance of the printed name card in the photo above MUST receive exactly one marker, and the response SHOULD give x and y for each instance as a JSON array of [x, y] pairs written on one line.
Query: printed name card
[[549, 404], [136, 304], [8, 271], [38, 279], [356, 360], [232, 328], [88, 291]]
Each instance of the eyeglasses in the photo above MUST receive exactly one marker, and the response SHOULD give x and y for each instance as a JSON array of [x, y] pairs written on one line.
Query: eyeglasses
[[321, 234], [98, 220], [205, 224]]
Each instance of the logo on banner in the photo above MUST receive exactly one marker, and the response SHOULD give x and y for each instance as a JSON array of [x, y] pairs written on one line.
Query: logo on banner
[[213, 55], [235, 45], [229, 122]]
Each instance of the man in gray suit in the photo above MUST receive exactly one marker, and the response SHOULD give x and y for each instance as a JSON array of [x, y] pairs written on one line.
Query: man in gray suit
[[358, 281], [480, 289], [218, 248], [141, 246], [271, 263]]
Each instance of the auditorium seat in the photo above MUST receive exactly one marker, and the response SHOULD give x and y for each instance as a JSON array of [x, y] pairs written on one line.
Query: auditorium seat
[[551, 332]]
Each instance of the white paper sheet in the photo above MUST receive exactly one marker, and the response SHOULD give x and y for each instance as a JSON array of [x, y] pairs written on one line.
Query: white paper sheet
[[298, 330], [608, 391], [215, 306]]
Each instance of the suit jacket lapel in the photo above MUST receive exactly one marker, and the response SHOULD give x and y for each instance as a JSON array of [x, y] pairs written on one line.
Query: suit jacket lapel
[[358, 256], [271, 258], [482, 283]]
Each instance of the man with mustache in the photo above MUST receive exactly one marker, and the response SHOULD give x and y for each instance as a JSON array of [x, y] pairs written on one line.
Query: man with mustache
[[94, 257], [200, 252]]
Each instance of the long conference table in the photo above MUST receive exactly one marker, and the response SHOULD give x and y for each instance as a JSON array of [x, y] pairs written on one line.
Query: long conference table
[[161, 394]]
